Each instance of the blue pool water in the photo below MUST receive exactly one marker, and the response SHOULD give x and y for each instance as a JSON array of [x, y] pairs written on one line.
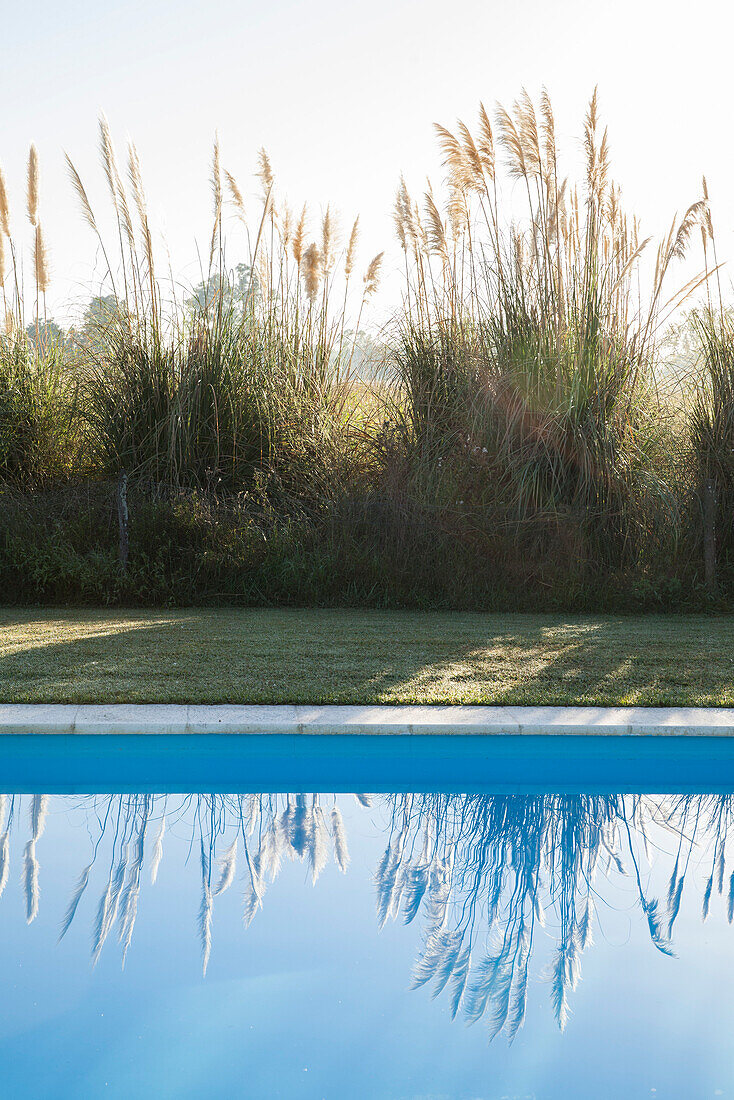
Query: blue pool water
[[317, 945]]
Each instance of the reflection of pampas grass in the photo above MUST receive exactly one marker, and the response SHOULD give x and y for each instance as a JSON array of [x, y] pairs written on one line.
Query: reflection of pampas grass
[[131, 892], [74, 903], [102, 922], [205, 911], [341, 850], [4, 861], [39, 809], [227, 866], [318, 848], [707, 898], [30, 881], [157, 851], [31, 887]]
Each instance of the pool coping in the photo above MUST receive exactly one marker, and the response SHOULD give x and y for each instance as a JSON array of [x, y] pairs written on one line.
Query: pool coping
[[330, 720]]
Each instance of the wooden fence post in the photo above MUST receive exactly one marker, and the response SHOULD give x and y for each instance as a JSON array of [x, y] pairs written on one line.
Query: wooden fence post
[[122, 518], [709, 538]]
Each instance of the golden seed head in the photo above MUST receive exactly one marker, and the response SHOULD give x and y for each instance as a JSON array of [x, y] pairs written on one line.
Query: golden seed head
[[32, 194]]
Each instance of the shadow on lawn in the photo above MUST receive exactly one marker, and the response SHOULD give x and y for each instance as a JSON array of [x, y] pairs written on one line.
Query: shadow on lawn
[[331, 656]]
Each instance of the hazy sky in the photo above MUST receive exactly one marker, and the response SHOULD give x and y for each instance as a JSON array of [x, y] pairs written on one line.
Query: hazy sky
[[343, 95]]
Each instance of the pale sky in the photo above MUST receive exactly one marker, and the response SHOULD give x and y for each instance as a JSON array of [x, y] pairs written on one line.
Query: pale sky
[[343, 96]]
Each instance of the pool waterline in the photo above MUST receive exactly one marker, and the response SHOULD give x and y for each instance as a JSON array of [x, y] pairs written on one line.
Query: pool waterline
[[172, 763]]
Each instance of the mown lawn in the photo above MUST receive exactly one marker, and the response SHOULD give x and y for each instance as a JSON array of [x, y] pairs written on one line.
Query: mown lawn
[[276, 656]]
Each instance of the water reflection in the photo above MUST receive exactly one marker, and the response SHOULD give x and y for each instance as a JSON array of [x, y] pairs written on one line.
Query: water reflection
[[480, 874]]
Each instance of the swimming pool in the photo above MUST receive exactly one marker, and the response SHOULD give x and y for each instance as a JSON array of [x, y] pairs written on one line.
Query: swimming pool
[[311, 944]]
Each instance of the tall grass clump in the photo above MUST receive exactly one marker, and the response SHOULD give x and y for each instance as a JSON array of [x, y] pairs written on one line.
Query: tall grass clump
[[528, 344], [712, 437], [247, 377], [38, 430]]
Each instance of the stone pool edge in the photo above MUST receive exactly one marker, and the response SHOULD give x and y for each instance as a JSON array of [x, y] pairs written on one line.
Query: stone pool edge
[[331, 720]]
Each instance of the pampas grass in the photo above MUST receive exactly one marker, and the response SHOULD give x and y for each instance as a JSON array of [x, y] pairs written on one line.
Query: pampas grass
[[510, 437]]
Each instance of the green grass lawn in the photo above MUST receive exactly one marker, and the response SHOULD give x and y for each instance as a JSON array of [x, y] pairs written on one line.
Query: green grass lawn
[[266, 656]]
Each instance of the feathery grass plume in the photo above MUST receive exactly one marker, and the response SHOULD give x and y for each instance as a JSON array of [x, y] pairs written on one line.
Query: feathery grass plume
[[81, 195], [216, 185], [454, 159], [312, 267], [136, 182], [729, 905], [32, 186], [4, 206], [327, 241], [341, 849], [436, 233], [299, 238], [364, 800], [236, 194], [265, 173], [157, 855], [227, 868], [118, 195], [40, 260], [485, 144], [472, 160], [351, 249], [403, 217], [372, 275], [107, 152], [74, 903], [286, 229], [5, 861], [511, 139], [548, 130]]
